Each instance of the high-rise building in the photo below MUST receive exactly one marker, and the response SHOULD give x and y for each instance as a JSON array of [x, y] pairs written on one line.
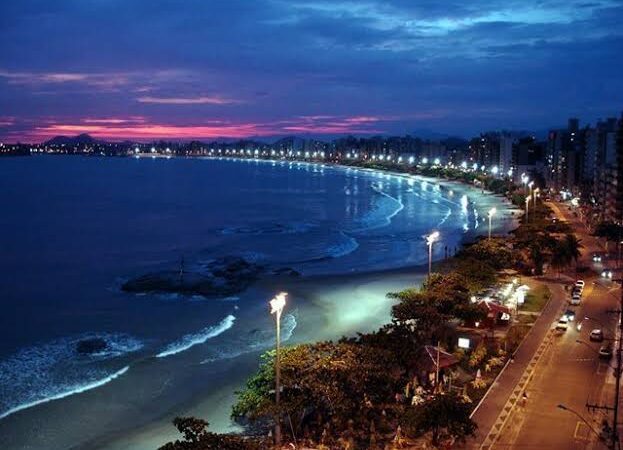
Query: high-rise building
[[565, 157]]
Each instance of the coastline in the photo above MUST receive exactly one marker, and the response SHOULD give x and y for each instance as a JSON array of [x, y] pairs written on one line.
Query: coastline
[[329, 293], [333, 305]]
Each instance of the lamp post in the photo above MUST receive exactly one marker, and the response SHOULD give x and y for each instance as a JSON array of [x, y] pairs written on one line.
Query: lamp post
[[492, 212], [276, 307], [527, 206], [430, 240], [579, 416], [535, 194]]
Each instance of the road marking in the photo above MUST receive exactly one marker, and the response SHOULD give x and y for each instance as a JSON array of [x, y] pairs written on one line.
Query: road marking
[[582, 432], [516, 394]]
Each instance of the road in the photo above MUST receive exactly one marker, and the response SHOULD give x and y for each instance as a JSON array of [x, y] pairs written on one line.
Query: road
[[570, 372]]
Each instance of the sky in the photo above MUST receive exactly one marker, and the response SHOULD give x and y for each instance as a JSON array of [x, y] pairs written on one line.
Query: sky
[[185, 69]]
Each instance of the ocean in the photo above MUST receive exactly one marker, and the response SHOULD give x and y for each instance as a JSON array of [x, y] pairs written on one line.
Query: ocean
[[74, 229]]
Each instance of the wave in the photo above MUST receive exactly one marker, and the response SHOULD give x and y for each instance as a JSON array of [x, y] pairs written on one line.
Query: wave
[[382, 214], [344, 248], [76, 390], [190, 340], [254, 340], [269, 228], [56, 369]]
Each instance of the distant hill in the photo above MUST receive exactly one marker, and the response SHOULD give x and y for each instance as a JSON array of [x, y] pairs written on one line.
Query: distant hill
[[81, 139]]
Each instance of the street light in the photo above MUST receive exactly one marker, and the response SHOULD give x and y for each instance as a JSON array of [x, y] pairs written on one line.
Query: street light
[[527, 206], [491, 213], [276, 307], [430, 239], [578, 415]]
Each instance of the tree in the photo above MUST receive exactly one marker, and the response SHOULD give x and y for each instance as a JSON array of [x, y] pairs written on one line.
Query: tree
[[444, 416], [572, 246], [610, 231], [561, 257], [322, 383], [197, 437]]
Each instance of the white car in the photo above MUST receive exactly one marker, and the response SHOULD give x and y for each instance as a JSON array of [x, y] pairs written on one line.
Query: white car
[[563, 324], [580, 284]]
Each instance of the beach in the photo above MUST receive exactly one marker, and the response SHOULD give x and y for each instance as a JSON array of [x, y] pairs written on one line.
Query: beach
[[354, 235]]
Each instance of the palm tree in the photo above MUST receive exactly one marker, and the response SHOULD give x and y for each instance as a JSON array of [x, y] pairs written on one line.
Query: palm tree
[[561, 257], [572, 247]]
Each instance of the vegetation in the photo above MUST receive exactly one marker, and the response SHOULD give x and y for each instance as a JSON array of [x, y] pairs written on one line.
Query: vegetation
[[197, 437], [349, 393], [445, 417]]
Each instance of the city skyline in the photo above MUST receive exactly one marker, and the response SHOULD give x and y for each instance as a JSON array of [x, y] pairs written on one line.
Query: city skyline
[[150, 70]]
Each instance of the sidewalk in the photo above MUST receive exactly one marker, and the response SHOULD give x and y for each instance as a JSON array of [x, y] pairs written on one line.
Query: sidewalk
[[492, 406]]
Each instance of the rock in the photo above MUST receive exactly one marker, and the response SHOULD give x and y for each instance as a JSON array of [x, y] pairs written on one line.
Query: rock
[[221, 277], [91, 345]]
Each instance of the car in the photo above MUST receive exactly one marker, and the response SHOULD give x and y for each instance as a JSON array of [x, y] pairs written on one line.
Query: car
[[563, 324], [570, 315], [580, 284], [607, 274], [605, 351], [596, 335], [596, 258]]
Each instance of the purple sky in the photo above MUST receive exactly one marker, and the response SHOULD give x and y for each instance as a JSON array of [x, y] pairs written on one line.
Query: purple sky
[[147, 69]]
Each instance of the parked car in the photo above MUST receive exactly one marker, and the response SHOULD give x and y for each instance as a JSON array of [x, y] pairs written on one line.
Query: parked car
[[563, 324], [580, 284], [570, 315], [605, 351], [596, 335], [575, 300]]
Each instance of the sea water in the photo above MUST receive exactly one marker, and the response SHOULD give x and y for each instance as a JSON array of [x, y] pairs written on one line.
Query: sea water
[[73, 229]]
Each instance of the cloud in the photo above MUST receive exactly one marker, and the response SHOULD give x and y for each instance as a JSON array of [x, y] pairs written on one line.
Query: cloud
[[187, 100], [139, 128]]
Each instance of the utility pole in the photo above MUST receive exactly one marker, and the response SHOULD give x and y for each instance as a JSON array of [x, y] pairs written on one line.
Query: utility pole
[[614, 443], [615, 425]]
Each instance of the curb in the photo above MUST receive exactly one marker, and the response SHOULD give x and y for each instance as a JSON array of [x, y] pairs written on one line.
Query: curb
[[507, 363]]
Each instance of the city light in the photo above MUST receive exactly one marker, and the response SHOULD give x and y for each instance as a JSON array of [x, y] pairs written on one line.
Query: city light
[[276, 307], [424, 160], [430, 240], [490, 214]]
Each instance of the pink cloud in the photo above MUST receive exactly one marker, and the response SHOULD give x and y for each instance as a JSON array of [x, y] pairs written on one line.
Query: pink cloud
[[187, 100], [139, 128]]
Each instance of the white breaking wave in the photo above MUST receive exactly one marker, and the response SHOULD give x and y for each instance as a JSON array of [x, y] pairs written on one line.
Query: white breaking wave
[[382, 215], [60, 395], [190, 340], [254, 341], [55, 369]]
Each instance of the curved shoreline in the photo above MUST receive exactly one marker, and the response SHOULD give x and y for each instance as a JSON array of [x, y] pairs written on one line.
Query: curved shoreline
[[314, 289]]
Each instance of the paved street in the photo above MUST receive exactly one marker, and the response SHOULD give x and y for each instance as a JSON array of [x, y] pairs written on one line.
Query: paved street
[[553, 368], [569, 373]]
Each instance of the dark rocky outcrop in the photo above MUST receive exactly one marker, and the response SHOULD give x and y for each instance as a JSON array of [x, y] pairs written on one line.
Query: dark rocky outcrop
[[221, 277], [90, 346]]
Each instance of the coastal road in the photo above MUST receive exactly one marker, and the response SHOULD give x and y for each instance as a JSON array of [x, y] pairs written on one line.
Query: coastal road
[[570, 372]]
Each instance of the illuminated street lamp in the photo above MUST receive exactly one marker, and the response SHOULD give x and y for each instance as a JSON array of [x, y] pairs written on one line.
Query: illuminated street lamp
[[430, 240], [527, 206], [535, 194], [276, 307], [491, 213]]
